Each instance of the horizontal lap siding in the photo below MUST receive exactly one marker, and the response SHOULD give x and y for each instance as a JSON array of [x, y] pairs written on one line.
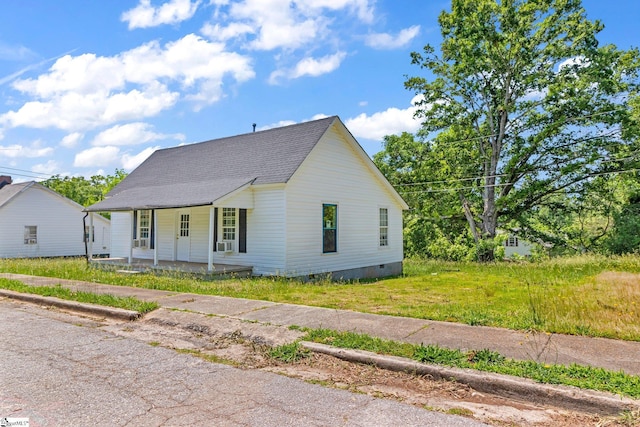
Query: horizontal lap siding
[[120, 234], [266, 231], [60, 229], [166, 233], [334, 173], [199, 234]]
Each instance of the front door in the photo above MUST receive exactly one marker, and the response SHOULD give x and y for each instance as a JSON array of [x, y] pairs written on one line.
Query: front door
[[183, 237]]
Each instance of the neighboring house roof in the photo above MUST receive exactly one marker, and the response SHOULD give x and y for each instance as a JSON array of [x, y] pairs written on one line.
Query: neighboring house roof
[[8, 192], [199, 174]]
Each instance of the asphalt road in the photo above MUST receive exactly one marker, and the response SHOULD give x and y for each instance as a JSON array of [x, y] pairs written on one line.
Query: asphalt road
[[57, 369]]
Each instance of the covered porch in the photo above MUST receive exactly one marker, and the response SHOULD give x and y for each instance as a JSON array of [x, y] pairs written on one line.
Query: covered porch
[[139, 265]]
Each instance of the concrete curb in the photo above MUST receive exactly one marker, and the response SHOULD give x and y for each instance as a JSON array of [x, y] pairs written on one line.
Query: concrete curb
[[93, 309], [567, 397]]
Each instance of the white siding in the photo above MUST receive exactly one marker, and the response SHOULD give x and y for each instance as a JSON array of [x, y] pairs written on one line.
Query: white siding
[[243, 199], [265, 233], [334, 173], [166, 233], [200, 234], [120, 234], [60, 230]]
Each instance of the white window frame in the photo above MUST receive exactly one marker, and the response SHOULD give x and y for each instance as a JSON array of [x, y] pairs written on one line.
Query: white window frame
[[229, 224], [330, 226], [383, 223], [144, 224], [512, 241], [30, 234]]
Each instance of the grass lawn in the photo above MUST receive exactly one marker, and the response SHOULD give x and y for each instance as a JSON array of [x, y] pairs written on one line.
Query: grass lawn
[[587, 295]]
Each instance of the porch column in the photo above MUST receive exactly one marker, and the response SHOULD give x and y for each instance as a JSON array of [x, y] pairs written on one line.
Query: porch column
[[91, 233], [154, 214], [131, 237], [211, 242]]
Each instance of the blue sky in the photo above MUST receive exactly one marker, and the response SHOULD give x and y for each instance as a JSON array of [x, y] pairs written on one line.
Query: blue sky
[[90, 86]]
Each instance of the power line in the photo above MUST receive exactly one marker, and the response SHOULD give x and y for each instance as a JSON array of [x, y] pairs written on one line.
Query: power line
[[452, 189], [23, 173], [630, 156]]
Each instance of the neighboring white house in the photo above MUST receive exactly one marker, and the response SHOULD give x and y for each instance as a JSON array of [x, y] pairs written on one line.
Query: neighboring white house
[[298, 200], [38, 222], [514, 245]]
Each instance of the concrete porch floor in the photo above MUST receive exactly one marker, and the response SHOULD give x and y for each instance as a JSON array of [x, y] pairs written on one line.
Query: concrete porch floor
[[165, 267]]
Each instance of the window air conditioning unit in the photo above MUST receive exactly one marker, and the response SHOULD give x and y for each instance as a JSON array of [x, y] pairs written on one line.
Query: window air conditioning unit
[[141, 243], [224, 247]]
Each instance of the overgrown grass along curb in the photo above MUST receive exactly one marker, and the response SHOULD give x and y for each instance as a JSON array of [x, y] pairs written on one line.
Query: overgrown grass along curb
[[584, 377], [127, 303], [586, 295]]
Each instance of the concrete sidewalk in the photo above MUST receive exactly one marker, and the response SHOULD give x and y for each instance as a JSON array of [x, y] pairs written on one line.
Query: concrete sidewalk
[[546, 348]]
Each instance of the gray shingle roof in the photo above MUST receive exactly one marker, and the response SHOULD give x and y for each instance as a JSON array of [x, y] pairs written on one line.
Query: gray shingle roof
[[9, 191], [199, 174]]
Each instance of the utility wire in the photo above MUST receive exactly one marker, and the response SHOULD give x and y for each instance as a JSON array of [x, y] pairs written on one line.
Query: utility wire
[[446, 190]]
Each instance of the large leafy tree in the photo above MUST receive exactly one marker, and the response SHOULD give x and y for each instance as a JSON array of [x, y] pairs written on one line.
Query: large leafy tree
[[522, 104], [85, 191]]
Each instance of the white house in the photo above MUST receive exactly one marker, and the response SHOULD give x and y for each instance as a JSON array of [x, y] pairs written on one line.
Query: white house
[[298, 200], [38, 222], [516, 246]]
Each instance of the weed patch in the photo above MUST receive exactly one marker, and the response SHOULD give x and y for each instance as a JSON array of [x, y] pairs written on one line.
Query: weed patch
[[585, 377]]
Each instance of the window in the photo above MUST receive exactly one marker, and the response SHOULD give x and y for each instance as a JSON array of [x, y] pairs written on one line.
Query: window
[[144, 221], [30, 234], [229, 224], [184, 225], [329, 228], [512, 241], [86, 234], [384, 227]]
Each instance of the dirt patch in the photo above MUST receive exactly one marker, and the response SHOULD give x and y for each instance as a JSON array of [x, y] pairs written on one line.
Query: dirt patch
[[246, 345]]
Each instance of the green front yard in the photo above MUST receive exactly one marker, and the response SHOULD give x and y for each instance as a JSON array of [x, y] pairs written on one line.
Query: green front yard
[[588, 295]]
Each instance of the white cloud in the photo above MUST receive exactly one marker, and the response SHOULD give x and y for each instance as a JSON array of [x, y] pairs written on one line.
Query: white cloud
[[71, 140], [16, 151], [219, 33], [129, 134], [145, 15], [111, 156], [388, 41], [284, 24], [51, 167], [88, 91], [392, 121], [130, 162], [96, 157], [310, 67], [317, 67], [364, 9]]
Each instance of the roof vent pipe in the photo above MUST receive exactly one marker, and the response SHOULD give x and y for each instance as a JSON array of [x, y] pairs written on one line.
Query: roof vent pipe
[[254, 127]]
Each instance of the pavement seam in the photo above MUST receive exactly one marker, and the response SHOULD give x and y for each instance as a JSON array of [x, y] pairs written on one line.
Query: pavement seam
[[567, 397]]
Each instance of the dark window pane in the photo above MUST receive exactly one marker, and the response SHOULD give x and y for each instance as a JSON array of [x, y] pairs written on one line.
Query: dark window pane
[[329, 228]]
